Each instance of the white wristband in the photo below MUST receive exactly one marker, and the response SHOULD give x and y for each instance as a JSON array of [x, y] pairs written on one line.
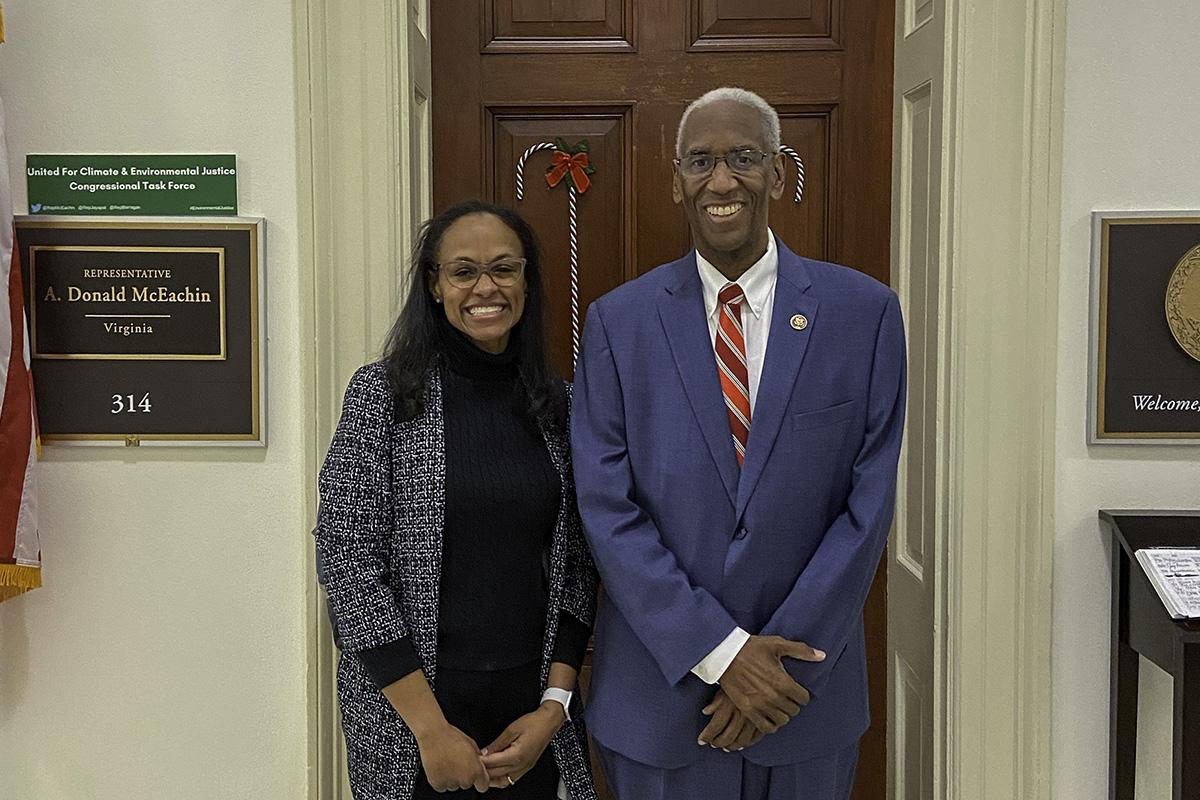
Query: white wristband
[[561, 696]]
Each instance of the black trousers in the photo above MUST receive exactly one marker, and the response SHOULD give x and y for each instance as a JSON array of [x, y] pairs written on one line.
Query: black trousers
[[482, 705]]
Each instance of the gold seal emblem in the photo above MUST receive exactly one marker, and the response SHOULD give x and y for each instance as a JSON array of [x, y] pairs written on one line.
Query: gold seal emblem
[[1183, 303], [800, 322]]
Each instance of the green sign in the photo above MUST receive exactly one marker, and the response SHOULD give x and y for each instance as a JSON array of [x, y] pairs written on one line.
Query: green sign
[[174, 185]]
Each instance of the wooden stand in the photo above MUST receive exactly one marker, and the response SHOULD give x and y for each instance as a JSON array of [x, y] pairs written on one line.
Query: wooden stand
[[1141, 625]]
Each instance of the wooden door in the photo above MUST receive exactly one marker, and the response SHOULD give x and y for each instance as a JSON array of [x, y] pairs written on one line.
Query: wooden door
[[508, 74]]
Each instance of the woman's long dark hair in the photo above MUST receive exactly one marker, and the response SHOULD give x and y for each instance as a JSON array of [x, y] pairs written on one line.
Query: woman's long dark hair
[[414, 343]]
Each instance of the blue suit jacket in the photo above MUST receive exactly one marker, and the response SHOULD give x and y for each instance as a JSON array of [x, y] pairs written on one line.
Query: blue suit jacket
[[688, 545]]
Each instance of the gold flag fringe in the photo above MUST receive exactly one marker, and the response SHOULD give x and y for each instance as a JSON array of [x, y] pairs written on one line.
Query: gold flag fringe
[[1, 42], [16, 579]]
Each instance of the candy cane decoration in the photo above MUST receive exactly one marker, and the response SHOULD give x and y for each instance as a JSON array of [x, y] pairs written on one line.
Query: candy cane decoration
[[573, 165], [573, 244], [792, 154], [521, 166]]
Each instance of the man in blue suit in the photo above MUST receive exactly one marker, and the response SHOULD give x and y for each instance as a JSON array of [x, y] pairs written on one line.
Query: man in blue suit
[[736, 430]]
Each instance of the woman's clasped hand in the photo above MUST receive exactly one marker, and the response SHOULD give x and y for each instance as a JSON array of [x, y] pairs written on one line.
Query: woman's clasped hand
[[452, 760], [517, 749]]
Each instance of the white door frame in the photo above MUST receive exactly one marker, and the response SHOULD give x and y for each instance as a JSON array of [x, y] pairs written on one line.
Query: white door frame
[[362, 77], [975, 224], [977, 155]]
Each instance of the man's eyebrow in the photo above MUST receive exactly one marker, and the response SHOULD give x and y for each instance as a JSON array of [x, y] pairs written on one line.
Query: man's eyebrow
[[696, 151]]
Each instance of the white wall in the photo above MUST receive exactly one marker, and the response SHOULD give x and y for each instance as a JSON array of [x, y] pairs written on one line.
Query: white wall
[[1131, 111], [165, 657]]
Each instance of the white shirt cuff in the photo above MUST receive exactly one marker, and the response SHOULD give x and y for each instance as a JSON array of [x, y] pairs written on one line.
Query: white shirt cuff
[[713, 666]]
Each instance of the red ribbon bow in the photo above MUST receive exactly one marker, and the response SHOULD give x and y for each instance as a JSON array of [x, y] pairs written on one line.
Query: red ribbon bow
[[575, 164]]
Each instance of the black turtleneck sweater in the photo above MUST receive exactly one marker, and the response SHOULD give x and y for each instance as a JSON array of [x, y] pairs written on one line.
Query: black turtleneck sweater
[[502, 501]]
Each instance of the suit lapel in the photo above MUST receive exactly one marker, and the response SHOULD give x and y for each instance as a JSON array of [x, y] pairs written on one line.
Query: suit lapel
[[786, 347], [683, 319]]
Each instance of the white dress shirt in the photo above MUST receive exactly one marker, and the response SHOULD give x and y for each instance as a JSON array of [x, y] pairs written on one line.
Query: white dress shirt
[[758, 285]]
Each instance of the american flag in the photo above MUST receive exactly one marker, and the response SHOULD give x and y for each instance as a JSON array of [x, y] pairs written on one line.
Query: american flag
[[20, 551]]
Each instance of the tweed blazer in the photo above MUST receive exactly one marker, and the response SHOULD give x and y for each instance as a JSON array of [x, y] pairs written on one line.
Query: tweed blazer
[[379, 554]]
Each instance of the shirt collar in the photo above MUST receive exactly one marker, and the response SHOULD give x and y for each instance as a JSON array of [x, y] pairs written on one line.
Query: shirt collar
[[757, 283]]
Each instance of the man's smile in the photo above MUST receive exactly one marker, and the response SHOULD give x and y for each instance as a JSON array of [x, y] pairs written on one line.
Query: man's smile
[[724, 211]]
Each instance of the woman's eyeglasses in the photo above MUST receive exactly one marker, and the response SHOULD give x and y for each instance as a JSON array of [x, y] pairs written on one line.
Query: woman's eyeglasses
[[504, 272]]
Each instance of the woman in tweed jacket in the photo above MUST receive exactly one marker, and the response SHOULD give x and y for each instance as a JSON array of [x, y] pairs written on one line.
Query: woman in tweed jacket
[[460, 588]]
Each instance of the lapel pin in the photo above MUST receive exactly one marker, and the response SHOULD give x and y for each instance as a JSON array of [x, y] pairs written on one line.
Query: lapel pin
[[799, 322]]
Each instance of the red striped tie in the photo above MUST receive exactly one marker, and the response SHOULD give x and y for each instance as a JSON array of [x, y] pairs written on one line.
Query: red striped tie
[[731, 365]]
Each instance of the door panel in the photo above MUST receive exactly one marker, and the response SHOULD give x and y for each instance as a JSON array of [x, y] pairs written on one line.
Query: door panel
[[530, 26], [512, 73], [558, 13], [753, 24], [914, 564], [604, 223]]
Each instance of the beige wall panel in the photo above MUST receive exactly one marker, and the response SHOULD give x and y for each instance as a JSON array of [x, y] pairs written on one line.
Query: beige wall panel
[[165, 656], [1128, 126]]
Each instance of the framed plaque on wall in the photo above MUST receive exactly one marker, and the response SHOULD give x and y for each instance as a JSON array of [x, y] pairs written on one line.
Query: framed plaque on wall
[[145, 331], [1145, 386]]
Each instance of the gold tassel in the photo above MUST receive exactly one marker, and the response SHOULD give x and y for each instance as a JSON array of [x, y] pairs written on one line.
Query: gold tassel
[[1, 42], [16, 579]]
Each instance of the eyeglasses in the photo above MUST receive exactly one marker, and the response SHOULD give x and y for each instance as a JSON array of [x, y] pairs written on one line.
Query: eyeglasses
[[742, 161], [504, 272]]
